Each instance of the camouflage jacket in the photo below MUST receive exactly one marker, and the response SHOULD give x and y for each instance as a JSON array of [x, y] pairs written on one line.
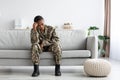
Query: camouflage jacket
[[46, 38]]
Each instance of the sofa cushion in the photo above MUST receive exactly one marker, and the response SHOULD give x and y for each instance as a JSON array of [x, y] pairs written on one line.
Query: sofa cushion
[[20, 39], [72, 39], [14, 39], [19, 54]]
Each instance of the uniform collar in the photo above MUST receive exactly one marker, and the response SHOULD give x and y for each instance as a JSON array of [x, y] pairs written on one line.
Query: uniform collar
[[45, 30]]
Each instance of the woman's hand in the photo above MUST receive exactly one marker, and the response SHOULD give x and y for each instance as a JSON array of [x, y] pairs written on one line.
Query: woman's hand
[[41, 45], [35, 25]]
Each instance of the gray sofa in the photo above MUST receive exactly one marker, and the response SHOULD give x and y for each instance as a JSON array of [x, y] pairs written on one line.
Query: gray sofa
[[76, 48]]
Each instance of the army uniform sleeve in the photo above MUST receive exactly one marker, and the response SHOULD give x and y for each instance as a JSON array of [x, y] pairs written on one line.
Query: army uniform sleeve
[[55, 37], [46, 42], [34, 37]]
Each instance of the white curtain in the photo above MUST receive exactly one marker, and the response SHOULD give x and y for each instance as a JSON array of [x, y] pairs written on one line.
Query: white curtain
[[115, 30]]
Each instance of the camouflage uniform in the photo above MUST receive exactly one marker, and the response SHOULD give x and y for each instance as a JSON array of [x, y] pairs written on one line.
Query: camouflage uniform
[[50, 42]]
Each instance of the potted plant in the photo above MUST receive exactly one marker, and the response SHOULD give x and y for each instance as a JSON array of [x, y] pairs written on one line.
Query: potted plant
[[104, 39], [92, 28]]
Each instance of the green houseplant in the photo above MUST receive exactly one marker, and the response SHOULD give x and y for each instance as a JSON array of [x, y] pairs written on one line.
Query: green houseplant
[[92, 28], [102, 38], [105, 39]]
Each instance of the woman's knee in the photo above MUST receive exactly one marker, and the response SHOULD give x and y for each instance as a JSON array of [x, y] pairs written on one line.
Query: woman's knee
[[36, 47]]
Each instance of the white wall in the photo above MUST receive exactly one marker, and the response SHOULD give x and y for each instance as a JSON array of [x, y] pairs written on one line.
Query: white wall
[[82, 13], [115, 30]]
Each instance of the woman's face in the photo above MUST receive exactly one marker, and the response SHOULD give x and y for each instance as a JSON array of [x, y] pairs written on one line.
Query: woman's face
[[41, 22]]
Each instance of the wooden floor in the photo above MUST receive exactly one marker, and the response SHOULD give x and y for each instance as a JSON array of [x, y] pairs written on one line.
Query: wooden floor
[[47, 73]]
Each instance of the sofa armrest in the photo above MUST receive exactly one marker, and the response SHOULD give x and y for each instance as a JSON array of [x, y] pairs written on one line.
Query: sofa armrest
[[92, 45]]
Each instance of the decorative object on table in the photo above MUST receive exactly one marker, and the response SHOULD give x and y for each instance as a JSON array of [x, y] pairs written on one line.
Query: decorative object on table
[[97, 67], [28, 27], [92, 28], [18, 23], [105, 39], [67, 26], [56, 26]]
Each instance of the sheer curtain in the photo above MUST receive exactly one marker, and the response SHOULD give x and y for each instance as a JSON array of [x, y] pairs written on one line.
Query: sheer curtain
[[115, 30]]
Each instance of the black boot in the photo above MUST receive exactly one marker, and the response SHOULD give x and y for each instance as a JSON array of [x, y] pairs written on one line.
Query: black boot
[[36, 71], [57, 70]]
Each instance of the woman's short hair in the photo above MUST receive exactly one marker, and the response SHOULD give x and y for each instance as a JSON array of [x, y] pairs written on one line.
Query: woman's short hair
[[37, 18]]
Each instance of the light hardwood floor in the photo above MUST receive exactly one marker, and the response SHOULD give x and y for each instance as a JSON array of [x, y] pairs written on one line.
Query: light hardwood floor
[[47, 73]]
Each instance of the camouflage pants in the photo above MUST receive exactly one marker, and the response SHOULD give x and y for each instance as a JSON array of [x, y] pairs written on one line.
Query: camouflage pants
[[54, 48]]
